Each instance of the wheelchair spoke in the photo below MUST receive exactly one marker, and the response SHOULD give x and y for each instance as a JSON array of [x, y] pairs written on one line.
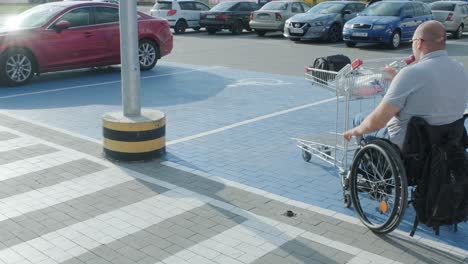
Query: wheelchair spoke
[[374, 167]]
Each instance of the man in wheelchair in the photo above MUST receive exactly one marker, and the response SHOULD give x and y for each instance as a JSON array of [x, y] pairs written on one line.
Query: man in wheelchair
[[420, 119]]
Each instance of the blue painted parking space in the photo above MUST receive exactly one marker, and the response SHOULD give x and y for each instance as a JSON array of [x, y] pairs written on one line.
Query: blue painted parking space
[[229, 123]]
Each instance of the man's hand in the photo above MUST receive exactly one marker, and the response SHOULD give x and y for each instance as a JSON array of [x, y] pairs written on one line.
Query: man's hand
[[352, 132], [390, 73]]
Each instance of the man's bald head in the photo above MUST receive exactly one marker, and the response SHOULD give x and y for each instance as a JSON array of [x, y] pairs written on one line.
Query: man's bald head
[[433, 34]]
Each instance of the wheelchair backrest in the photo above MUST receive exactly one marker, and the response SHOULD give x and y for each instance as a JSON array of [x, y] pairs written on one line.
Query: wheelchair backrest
[[421, 137], [421, 133], [436, 162]]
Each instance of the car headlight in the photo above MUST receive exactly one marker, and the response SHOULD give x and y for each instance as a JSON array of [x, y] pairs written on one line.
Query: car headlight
[[287, 22], [316, 24], [379, 27], [347, 25]]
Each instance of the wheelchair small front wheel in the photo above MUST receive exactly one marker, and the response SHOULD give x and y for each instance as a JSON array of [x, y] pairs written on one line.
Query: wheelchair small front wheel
[[306, 156], [378, 186], [347, 200]]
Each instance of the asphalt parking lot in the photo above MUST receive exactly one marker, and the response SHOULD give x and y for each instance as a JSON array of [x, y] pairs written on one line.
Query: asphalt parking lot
[[233, 103]]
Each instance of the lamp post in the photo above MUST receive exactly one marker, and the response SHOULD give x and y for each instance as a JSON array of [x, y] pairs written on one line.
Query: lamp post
[[132, 135], [129, 58]]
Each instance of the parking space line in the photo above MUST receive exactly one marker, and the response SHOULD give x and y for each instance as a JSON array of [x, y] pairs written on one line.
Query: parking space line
[[172, 142], [103, 83]]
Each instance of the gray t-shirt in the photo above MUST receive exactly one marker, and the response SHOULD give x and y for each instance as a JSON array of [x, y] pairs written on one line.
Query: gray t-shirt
[[435, 88]]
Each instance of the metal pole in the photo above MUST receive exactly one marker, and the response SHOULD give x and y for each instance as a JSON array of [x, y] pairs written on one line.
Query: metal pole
[[129, 58]]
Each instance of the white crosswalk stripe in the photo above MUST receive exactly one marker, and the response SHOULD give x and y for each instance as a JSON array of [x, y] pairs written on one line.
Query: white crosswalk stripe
[[79, 238], [34, 164], [240, 243], [41, 198], [15, 143]]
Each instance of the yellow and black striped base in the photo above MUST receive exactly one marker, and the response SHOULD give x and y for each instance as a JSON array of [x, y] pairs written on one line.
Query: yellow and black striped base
[[134, 139]]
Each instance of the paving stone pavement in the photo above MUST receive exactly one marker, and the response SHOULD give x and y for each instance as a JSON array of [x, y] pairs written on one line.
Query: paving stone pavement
[[62, 202]]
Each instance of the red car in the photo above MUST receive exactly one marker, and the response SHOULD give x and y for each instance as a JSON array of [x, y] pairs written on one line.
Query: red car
[[69, 35]]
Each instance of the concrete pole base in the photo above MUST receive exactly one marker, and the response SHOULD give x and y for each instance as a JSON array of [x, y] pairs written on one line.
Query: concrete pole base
[[139, 138]]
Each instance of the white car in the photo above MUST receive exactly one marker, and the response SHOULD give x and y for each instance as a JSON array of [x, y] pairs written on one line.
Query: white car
[[180, 14], [271, 16], [453, 14]]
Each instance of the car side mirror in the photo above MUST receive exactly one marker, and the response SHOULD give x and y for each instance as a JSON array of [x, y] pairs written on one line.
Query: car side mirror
[[347, 12], [61, 25]]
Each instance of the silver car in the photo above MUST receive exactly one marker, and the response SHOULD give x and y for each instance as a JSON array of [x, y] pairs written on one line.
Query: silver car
[[324, 21], [271, 16], [453, 14]]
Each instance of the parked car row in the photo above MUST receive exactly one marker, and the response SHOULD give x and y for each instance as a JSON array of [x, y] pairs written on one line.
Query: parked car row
[[70, 35], [387, 22]]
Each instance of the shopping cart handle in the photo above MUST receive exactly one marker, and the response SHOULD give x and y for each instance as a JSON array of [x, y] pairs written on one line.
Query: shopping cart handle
[[356, 63]]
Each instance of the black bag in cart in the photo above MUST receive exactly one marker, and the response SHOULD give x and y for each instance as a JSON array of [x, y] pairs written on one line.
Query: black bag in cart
[[331, 63]]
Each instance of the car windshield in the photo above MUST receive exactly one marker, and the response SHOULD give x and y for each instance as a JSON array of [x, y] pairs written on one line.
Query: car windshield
[[427, 1], [34, 17], [441, 6], [327, 8], [383, 9], [223, 6], [275, 6], [163, 6]]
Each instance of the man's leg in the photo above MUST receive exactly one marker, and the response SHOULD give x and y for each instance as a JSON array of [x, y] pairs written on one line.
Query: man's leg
[[381, 133]]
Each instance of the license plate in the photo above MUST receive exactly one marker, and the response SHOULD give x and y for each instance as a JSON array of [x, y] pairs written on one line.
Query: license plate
[[210, 16], [296, 30], [359, 34]]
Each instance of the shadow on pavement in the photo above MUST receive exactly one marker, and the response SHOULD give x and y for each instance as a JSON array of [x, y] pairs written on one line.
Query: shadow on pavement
[[163, 86]]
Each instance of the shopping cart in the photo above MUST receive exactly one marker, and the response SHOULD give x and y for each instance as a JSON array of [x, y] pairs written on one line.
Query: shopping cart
[[355, 82]]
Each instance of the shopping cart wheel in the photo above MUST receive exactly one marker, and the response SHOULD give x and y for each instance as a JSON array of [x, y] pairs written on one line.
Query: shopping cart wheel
[[347, 200], [326, 150], [306, 154]]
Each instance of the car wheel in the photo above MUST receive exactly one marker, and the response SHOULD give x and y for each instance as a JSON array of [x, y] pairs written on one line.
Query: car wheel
[[17, 67], [180, 27], [236, 28], [196, 28], [148, 53], [334, 33], [458, 34], [350, 44], [211, 31], [260, 33], [395, 40]]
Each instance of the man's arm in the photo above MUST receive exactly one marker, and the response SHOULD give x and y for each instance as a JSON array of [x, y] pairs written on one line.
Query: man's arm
[[376, 120]]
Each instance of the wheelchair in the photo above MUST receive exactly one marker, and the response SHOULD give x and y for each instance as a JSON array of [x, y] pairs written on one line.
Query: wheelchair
[[381, 173]]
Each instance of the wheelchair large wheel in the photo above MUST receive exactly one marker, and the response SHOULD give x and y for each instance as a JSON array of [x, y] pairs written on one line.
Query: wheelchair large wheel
[[378, 186]]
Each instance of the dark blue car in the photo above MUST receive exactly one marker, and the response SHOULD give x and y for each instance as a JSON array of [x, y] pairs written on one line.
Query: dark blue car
[[387, 22]]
